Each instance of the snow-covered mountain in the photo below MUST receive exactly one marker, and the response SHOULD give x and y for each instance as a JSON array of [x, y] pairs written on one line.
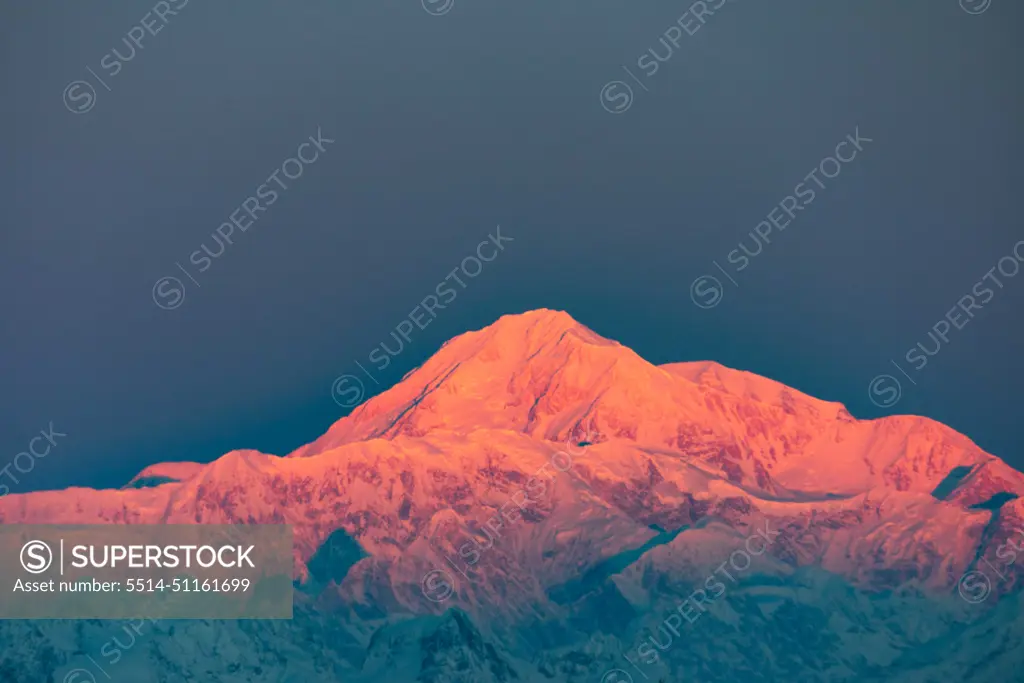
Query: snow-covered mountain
[[537, 502]]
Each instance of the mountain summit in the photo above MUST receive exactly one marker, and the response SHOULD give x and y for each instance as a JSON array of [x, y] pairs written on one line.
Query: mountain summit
[[545, 375], [510, 375], [569, 495]]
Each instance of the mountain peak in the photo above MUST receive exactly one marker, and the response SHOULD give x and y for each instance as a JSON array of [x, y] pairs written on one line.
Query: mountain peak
[[547, 317], [544, 375], [503, 376], [530, 332]]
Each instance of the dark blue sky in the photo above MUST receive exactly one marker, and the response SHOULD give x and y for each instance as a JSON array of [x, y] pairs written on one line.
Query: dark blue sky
[[447, 126]]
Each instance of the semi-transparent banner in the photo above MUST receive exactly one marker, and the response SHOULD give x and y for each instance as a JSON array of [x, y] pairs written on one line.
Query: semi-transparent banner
[[154, 571]]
